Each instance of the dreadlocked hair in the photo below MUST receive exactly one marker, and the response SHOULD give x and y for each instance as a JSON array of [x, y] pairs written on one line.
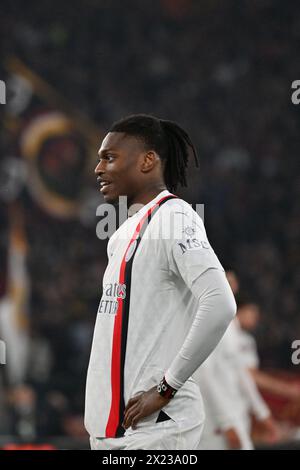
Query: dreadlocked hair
[[167, 139]]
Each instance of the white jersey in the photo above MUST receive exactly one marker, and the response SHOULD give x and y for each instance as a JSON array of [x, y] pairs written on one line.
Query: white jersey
[[248, 349], [229, 392], [145, 312]]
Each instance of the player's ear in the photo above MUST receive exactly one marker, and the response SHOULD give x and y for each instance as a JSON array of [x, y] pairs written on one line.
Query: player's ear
[[149, 161]]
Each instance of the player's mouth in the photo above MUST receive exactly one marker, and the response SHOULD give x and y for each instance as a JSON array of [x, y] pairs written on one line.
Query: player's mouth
[[104, 185]]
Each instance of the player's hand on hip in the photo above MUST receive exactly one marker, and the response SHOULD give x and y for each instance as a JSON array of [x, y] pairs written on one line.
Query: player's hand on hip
[[141, 406]]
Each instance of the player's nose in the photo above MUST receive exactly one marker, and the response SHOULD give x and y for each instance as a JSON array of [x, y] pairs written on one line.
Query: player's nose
[[99, 168]]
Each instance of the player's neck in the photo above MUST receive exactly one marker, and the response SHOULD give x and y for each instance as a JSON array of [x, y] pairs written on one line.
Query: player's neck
[[147, 194]]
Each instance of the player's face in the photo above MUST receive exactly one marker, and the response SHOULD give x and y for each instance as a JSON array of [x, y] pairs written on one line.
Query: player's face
[[248, 316], [118, 167]]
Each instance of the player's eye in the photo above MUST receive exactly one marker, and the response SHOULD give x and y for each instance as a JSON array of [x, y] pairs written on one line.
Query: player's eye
[[107, 157]]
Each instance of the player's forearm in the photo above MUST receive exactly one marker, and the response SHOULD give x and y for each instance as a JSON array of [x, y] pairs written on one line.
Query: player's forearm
[[257, 403], [273, 385], [216, 309]]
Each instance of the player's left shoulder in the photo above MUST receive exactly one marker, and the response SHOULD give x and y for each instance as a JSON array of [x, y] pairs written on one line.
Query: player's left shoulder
[[188, 220], [183, 210]]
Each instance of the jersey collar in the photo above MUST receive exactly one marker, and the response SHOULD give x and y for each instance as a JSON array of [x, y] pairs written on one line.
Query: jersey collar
[[151, 203]]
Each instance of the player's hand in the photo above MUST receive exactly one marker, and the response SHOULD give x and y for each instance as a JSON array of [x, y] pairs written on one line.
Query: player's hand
[[271, 429], [143, 405], [232, 438], [294, 391]]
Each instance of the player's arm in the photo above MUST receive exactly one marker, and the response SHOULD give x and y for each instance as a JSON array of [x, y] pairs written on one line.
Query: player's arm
[[216, 309], [276, 386], [257, 403]]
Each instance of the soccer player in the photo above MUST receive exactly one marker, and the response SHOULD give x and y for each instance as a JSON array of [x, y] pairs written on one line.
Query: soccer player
[[248, 315], [165, 300], [230, 396]]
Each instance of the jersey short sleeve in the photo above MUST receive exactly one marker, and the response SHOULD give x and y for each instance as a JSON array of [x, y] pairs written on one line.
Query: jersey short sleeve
[[190, 253]]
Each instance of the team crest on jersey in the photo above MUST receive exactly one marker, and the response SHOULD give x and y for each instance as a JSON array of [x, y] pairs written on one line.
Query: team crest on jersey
[[121, 291]]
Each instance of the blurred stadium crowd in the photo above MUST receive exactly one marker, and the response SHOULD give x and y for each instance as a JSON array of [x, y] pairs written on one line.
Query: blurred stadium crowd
[[223, 70]]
